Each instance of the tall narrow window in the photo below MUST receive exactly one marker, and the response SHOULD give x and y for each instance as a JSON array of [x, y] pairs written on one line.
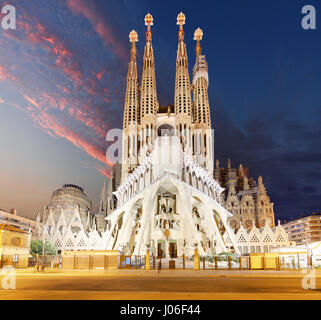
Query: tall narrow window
[[134, 145], [193, 142], [128, 147]]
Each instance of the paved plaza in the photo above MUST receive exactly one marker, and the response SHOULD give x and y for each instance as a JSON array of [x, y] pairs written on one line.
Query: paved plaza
[[167, 284]]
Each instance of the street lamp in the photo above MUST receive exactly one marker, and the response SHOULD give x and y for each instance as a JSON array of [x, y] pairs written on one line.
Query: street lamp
[[45, 229], [306, 244]]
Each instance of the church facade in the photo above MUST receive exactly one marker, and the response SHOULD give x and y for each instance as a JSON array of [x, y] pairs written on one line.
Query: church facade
[[245, 198], [165, 195]]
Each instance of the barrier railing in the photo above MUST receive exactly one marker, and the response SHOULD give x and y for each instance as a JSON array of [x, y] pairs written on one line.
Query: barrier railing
[[90, 262], [217, 262]]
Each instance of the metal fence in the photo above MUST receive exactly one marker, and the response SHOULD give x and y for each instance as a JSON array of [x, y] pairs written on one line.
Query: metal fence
[[90, 262], [15, 260], [232, 262], [172, 263], [218, 262], [44, 261], [87, 262], [131, 262]]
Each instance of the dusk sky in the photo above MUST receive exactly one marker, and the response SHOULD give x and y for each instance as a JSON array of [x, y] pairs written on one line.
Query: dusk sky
[[62, 86]]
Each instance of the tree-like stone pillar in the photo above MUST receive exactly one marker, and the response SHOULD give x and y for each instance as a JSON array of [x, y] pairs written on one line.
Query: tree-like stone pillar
[[147, 262], [196, 260]]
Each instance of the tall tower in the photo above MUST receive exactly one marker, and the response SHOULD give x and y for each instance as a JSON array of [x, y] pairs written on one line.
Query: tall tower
[[264, 210], [148, 101], [103, 209], [170, 204], [131, 112], [203, 140], [183, 101]]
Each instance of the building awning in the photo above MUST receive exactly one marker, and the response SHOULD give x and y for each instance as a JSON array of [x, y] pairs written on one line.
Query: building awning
[[12, 228]]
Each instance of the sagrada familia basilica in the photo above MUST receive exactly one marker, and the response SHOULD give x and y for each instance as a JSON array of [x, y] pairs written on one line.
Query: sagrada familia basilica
[[165, 194]]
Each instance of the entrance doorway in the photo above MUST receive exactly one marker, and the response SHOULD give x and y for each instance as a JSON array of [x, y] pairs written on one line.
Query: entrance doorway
[[161, 249], [165, 130], [173, 250]]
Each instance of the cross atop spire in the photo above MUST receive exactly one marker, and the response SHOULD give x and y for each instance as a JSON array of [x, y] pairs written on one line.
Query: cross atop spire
[[149, 22], [198, 35], [181, 21], [133, 37]]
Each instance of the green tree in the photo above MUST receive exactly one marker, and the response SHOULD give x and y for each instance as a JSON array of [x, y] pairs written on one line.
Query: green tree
[[36, 248], [223, 256]]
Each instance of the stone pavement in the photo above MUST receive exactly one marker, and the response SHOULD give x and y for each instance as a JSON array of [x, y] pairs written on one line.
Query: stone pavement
[[171, 273], [165, 285]]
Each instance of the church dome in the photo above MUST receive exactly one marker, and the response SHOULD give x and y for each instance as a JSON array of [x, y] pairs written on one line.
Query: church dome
[[70, 195]]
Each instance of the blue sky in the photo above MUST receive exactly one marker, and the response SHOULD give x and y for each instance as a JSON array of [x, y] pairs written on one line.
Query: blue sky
[[62, 77]]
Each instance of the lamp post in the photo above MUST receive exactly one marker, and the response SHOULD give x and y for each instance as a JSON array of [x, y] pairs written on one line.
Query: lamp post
[[307, 247], [45, 229], [43, 241]]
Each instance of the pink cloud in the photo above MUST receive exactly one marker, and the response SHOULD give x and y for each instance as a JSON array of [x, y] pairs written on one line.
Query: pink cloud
[[5, 74], [106, 172], [60, 99], [77, 110], [100, 74], [32, 101], [99, 24], [37, 34], [53, 126]]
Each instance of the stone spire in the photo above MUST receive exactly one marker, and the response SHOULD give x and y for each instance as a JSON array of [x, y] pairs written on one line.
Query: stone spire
[[246, 183], [131, 110], [148, 101], [182, 96], [261, 186], [241, 171], [228, 164], [38, 229], [149, 21], [231, 187], [217, 170], [103, 198], [183, 99], [198, 36], [200, 84], [102, 211], [201, 107]]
